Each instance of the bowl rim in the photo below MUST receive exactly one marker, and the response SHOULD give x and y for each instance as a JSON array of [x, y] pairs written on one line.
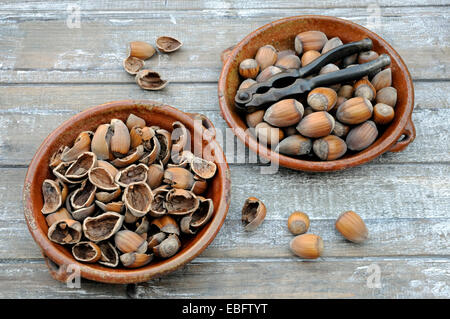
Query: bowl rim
[[58, 262], [319, 166]]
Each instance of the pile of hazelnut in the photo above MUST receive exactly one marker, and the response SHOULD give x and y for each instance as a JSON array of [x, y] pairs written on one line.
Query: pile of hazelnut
[[328, 121]]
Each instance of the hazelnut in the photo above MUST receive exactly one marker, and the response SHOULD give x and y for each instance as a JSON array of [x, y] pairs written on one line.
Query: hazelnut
[[246, 84], [346, 91], [340, 129], [249, 68], [310, 40], [309, 56], [317, 124], [382, 79], [298, 223], [329, 148], [268, 135], [267, 73], [284, 113], [367, 56], [308, 246], [254, 118], [322, 99], [387, 95], [141, 50], [331, 44], [363, 88], [383, 113], [352, 227], [294, 145], [362, 136], [266, 56], [354, 111], [288, 62]]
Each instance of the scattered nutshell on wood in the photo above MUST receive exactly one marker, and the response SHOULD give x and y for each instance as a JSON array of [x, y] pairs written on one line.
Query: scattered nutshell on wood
[[132, 65], [150, 80], [168, 44], [253, 213]]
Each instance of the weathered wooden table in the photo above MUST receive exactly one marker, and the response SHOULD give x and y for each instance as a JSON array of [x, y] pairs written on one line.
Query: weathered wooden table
[[50, 69]]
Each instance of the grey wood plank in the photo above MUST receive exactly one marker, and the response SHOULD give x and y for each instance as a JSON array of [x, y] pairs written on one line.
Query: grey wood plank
[[110, 5], [383, 191], [250, 278], [431, 144], [41, 98], [31, 279], [94, 52], [405, 206], [389, 237], [416, 278]]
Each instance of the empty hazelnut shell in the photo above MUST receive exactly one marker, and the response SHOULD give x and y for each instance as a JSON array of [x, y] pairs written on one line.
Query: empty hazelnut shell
[[132, 65], [253, 213], [102, 226], [150, 80], [86, 251], [168, 44]]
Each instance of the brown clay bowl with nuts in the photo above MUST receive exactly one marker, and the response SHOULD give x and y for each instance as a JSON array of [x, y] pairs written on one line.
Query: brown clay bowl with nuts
[[258, 51], [77, 236]]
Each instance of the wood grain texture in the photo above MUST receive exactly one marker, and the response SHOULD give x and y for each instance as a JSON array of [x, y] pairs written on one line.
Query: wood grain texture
[[49, 72], [111, 5], [431, 145], [412, 216], [326, 278], [98, 47]]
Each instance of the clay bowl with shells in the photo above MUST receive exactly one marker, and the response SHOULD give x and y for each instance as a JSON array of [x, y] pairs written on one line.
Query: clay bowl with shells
[[280, 35], [39, 178]]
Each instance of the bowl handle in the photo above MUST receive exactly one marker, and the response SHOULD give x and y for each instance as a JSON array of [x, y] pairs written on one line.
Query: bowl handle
[[226, 54], [58, 272], [409, 133]]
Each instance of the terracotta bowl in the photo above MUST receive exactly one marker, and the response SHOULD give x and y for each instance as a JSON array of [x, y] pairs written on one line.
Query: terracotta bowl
[[281, 34], [59, 258]]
